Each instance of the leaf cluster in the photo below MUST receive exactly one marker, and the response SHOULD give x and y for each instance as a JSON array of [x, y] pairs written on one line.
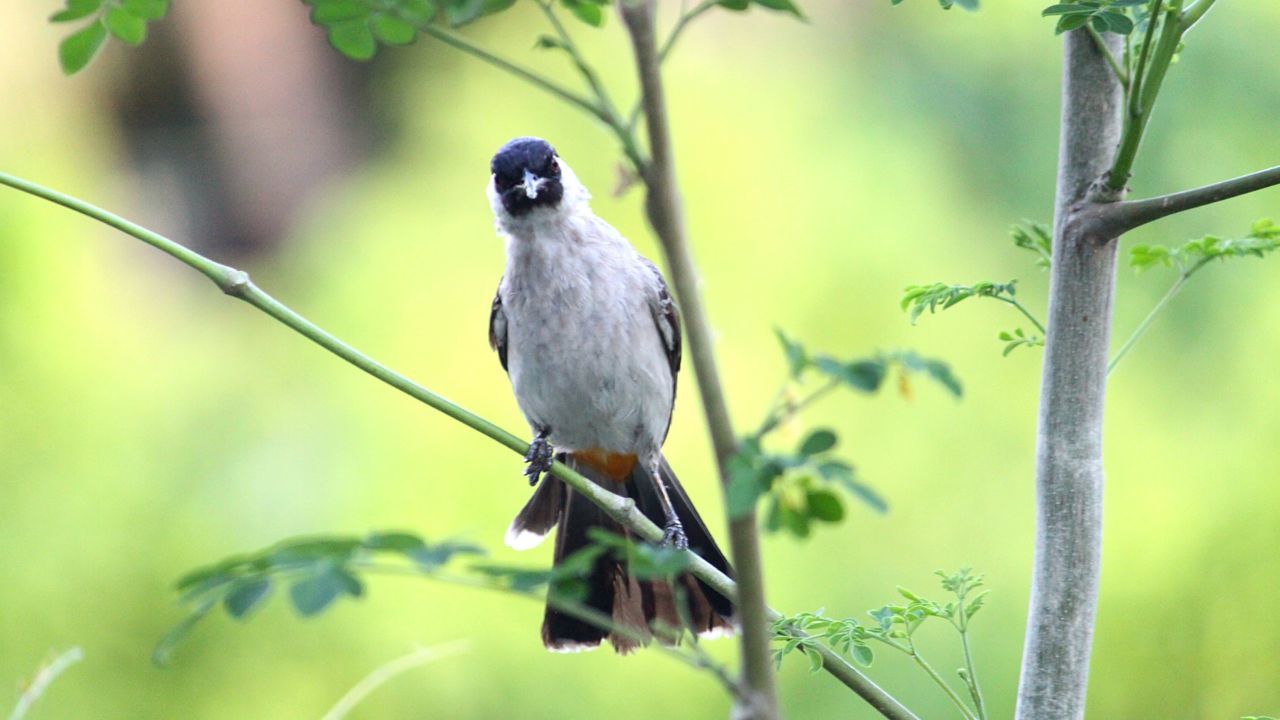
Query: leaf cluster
[[939, 296], [893, 624], [1263, 238], [1101, 15], [799, 485], [864, 375], [1034, 237], [126, 20], [316, 570]]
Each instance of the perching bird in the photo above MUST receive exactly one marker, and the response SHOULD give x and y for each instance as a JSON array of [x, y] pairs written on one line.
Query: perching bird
[[586, 330]]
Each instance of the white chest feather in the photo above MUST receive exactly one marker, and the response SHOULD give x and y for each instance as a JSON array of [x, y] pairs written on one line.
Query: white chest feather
[[584, 353]]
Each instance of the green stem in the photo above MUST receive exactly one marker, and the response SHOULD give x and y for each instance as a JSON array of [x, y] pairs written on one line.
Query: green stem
[[789, 409], [608, 113], [942, 683], [1135, 90], [667, 45], [589, 75], [1146, 321], [1194, 13], [1106, 53], [623, 510], [505, 65], [974, 689], [1024, 311], [1145, 97]]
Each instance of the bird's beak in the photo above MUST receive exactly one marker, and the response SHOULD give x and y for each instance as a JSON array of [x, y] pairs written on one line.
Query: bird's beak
[[532, 184]]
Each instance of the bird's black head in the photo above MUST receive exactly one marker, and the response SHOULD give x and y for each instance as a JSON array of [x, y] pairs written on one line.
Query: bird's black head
[[526, 175]]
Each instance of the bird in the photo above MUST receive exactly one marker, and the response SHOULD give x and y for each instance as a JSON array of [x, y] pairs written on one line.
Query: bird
[[589, 336]]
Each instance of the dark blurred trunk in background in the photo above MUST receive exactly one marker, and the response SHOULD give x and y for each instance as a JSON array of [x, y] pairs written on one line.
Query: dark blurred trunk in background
[[235, 114]]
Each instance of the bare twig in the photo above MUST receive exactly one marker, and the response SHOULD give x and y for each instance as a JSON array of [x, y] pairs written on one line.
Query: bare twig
[[666, 217], [43, 678], [1117, 218], [388, 671]]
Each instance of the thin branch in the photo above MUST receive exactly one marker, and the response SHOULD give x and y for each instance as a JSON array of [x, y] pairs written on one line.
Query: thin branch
[[1142, 97], [1022, 309], [607, 112], [623, 510], [43, 678], [388, 671], [942, 683], [1135, 89], [1111, 59], [1119, 218], [681, 24], [505, 65], [974, 688], [1194, 13], [666, 217], [1174, 289]]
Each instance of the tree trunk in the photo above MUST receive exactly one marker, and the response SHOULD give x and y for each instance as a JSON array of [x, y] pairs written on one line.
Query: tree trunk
[[1068, 554]]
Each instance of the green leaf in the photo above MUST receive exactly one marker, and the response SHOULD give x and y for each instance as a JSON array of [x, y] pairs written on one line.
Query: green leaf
[[126, 26], [864, 375], [312, 595], [147, 9], [781, 5], [1067, 23], [391, 30], [1117, 22], [164, 649], [735, 5], [862, 654], [337, 11], [797, 357], [246, 596], [743, 492], [75, 10], [354, 39], [941, 372], [401, 542], [418, 12], [588, 13], [815, 659], [546, 42], [432, 557], [818, 441], [75, 52], [825, 506], [1065, 9]]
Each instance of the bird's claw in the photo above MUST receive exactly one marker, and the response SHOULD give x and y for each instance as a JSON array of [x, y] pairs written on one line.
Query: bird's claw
[[673, 535], [540, 457]]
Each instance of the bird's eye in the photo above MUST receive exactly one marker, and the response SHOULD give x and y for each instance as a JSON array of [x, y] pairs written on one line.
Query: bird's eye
[[553, 168], [500, 183]]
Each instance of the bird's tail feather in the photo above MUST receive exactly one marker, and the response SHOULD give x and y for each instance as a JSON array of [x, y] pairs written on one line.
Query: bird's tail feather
[[610, 588]]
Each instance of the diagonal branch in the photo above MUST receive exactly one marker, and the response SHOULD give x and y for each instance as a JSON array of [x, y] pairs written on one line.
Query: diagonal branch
[[1117, 218], [236, 283]]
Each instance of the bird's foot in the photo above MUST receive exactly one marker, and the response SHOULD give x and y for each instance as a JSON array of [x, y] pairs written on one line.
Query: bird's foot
[[673, 535], [539, 459]]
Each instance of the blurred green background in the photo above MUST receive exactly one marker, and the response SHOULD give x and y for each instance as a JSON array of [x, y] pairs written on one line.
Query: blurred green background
[[149, 425]]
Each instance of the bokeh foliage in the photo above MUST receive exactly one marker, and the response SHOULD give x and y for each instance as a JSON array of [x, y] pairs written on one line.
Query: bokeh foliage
[[147, 424]]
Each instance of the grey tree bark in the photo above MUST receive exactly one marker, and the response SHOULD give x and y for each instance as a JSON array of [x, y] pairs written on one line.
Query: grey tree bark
[[1069, 476]]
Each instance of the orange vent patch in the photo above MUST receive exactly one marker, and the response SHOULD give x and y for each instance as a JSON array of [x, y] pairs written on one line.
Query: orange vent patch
[[614, 466]]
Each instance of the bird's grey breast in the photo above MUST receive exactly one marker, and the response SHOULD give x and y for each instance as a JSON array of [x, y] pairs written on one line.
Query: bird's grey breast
[[584, 355]]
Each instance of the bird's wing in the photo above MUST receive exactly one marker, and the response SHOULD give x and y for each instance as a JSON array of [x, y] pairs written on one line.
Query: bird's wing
[[498, 328], [666, 316]]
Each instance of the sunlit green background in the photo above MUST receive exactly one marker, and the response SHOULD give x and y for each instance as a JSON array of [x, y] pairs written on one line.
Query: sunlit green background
[[149, 425]]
